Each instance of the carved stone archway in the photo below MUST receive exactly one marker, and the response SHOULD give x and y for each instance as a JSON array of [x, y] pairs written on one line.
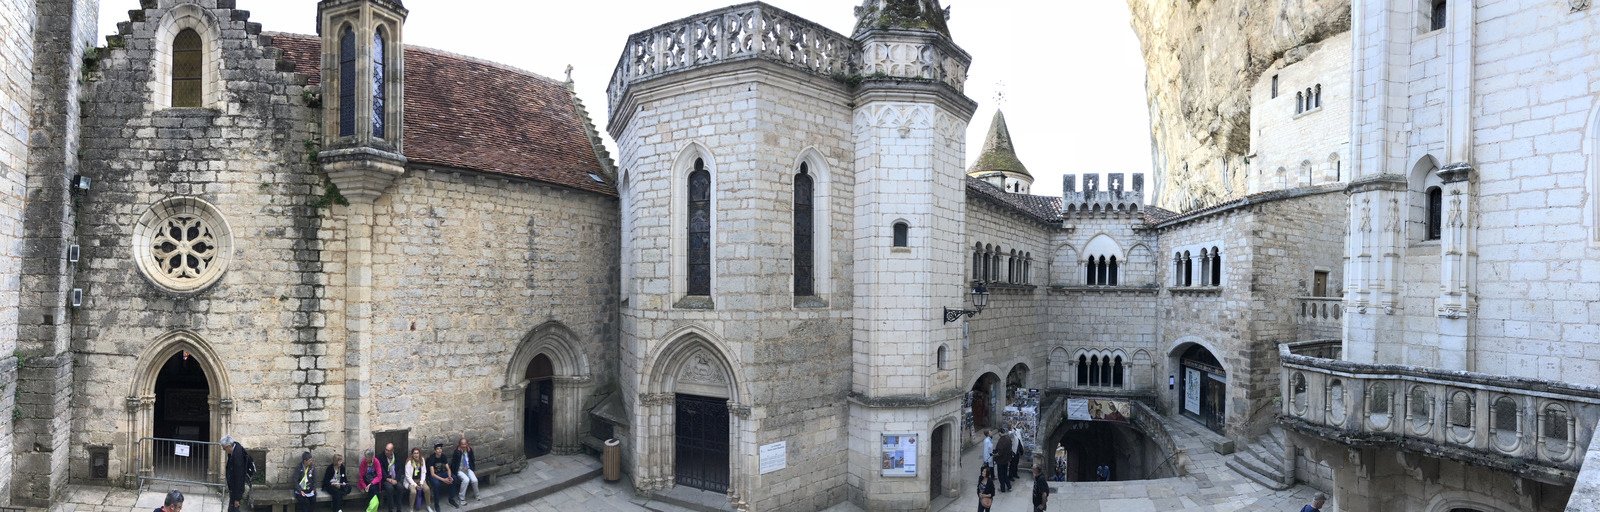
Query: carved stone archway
[[571, 378], [690, 364], [139, 406]]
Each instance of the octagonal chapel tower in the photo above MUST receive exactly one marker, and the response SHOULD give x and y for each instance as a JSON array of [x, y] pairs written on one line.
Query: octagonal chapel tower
[[791, 214]]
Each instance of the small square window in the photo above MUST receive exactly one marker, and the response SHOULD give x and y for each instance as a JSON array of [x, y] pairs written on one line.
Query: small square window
[[901, 234]]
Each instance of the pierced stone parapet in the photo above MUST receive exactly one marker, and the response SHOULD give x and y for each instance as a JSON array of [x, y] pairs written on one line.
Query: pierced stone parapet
[[742, 32], [1533, 428]]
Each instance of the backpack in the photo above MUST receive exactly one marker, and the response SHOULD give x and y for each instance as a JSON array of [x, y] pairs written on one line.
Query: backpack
[[249, 464]]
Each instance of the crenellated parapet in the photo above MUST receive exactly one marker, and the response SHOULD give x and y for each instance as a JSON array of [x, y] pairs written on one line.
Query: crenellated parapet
[[1117, 196]]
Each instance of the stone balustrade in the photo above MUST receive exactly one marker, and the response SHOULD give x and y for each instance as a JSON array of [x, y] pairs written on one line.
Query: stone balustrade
[[1537, 429], [1319, 317], [740, 32]]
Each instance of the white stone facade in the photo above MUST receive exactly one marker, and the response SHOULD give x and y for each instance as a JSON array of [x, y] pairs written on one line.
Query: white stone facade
[[1295, 141]]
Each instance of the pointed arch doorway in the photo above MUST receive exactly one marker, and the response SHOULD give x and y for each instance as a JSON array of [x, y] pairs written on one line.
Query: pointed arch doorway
[[180, 392], [538, 420]]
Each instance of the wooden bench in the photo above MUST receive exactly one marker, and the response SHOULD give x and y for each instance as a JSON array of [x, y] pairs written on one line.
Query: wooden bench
[[263, 499]]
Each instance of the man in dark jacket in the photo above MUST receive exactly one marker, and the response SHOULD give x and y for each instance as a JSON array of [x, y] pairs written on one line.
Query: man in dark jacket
[[463, 462], [1041, 489], [391, 489], [1002, 459], [234, 471]]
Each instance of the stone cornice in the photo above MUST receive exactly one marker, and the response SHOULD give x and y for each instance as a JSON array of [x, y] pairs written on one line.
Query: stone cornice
[[904, 401], [1457, 172], [1376, 182]]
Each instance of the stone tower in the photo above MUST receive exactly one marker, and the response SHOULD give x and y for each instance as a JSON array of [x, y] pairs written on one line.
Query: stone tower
[[909, 121], [363, 69], [998, 164]]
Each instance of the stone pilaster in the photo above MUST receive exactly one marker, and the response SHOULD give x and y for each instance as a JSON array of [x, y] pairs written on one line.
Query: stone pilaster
[[1458, 266]]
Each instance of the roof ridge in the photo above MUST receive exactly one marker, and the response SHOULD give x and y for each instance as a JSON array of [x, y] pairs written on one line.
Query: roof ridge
[[436, 51]]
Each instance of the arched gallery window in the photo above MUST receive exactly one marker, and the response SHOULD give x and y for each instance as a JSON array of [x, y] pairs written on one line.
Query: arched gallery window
[[1083, 370], [1299, 102], [1116, 373], [187, 60], [1216, 267], [699, 229], [803, 248], [1188, 269]]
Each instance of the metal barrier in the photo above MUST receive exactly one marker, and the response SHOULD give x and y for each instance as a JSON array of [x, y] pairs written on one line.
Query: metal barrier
[[179, 461]]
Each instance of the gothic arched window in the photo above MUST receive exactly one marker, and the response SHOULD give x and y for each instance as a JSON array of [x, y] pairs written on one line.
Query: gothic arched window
[[803, 257], [977, 262], [1299, 102], [1111, 272], [1089, 271], [1188, 269], [902, 234], [699, 229], [347, 82], [187, 61], [1216, 267], [1435, 213], [1177, 269], [1318, 96], [1116, 373], [1083, 371], [1094, 371], [1105, 371], [378, 76]]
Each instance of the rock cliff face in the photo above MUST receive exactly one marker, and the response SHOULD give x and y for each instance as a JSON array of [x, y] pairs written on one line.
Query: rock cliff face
[[1201, 59]]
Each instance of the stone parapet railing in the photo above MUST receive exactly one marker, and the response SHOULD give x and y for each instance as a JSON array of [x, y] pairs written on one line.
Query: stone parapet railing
[[1330, 348], [741, 32], [1537, 429], [1319, 317]]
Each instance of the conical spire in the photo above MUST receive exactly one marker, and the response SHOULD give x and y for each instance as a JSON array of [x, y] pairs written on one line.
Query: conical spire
[[998, 153], [915, 14]]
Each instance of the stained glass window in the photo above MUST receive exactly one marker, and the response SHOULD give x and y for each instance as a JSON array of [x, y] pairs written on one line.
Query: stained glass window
[[699, 229], [804, 259], [347, 82], [187, 61]]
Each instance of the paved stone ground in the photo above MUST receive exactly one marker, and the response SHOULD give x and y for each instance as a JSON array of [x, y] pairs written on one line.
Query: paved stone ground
[[1210, 486]]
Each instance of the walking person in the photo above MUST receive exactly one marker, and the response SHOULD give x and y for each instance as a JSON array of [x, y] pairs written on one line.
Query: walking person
[[988, 448], [1315, 506], [305, 485], [369, 478], [461, 463], [1002, 461], [1016, 453], [391, 489], [440, 477], [1041, 489], [236, 471], [336, 482], [173, 503], [417, 482], [985, 488]]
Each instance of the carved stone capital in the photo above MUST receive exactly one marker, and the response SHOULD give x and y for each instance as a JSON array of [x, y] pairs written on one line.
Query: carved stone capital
[[1454, 173]]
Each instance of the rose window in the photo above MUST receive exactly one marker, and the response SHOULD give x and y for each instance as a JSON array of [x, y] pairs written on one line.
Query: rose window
[[182, 244]]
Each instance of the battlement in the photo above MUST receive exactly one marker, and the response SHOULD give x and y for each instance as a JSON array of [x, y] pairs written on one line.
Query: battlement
[[1113, 198]]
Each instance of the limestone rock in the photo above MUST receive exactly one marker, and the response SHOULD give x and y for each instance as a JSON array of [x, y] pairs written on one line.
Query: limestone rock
[[1201, 59]]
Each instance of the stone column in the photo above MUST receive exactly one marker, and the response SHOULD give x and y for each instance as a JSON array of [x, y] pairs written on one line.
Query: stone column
[[1458, 255]]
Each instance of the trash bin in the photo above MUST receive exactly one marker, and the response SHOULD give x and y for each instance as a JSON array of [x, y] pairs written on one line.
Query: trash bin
[[611, 460]]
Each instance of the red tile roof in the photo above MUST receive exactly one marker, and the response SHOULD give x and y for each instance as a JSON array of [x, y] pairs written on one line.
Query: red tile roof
[[474, 115]]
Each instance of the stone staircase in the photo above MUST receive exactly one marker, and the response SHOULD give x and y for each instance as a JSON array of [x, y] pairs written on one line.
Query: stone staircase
[[1262, 461]]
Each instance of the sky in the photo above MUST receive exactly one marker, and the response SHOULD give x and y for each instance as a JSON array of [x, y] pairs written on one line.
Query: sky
[[1068, 74]]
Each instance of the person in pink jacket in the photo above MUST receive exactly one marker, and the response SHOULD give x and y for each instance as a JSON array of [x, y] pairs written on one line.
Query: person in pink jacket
[[370, 478]]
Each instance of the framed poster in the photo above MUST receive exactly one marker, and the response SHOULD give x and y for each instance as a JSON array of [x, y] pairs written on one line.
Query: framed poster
[[1191, 390], [899, 455]]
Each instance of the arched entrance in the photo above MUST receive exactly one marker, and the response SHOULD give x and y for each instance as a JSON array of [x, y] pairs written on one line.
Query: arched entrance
[[179, 393], [182, 413], [1015, 380], [985, 405], [1203, 388], [546, 379], [537, 419], [690, 420], [941, 436]]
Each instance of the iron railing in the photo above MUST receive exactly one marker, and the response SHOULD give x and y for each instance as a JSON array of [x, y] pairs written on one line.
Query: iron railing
[[180, 461], [1535, 428]]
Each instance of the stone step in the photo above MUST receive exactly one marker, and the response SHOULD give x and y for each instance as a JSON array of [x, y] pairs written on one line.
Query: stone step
[[687, 498], [543, 489], [1266, 456], [658, 506], [1255, 476], [1260, 466]]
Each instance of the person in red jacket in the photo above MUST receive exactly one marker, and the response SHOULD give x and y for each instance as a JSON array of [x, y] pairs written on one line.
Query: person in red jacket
[[370, 478]]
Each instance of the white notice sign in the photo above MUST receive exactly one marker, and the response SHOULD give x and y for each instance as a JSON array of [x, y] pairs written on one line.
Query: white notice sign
[[1191, 390], [774, 457], [1078, 409], [181, 450]]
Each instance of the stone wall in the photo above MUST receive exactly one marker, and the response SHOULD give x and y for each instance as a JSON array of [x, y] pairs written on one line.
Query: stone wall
[[1007, 332], [17, 18], [465, 268], [1103, 320], [1380, 480], [1199, 81], [1293, 147], [788, 359], [249, 158]]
